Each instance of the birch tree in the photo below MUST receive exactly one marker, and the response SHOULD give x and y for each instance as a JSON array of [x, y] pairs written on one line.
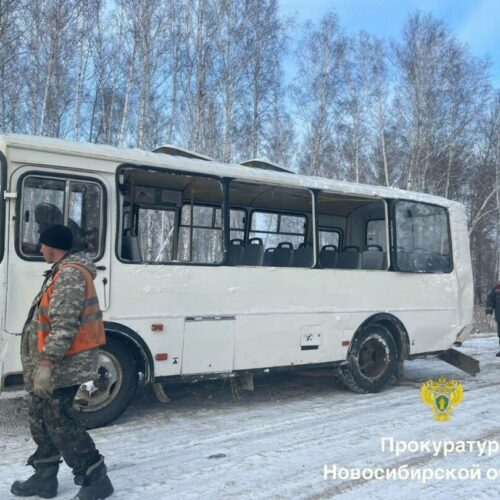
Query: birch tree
[[358, 96], [198, 78], [146, 25], [173, 67], [440, 93], [380, 117], [233, 59], [49, 29], [10, 53], [265, 37], [317, 94]]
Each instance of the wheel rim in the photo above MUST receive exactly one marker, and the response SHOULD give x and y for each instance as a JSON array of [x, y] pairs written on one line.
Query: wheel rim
[[100, 392], [373, 357]]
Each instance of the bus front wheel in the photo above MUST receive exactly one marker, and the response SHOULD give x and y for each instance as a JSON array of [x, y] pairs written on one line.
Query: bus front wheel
[[372, 360], [100, 401]]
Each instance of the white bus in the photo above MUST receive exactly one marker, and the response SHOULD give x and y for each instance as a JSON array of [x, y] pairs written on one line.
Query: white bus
[[208, 269]]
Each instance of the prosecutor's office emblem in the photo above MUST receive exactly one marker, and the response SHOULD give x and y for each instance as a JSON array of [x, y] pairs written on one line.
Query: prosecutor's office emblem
[[442, 395]]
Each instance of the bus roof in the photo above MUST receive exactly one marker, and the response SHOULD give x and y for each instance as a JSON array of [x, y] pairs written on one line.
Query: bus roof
[[13, 146]]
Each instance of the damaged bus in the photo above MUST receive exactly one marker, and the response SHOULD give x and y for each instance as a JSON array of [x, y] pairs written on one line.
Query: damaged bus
[[216, 270]]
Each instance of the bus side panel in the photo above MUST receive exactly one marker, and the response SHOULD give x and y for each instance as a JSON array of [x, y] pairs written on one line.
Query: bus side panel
[[277, 308], [289, 339], [163, 335]]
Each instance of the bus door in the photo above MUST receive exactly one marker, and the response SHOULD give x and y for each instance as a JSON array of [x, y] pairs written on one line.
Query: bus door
[[46, 197]]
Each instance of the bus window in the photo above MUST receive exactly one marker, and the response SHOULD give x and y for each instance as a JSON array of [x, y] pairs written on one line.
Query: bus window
[[351, 215], [274, 229], [42, 206], [329, 238], [279, 231], [237, 224], [201, 242], [170, 217], [84, 216], [200, 235], [44, 203], [156, 222], [422, 238]]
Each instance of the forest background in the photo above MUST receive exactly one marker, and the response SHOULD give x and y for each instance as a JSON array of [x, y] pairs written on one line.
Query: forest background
[[420, 112]]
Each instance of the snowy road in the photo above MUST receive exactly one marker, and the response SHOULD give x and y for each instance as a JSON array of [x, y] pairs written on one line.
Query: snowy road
[[273, 443]]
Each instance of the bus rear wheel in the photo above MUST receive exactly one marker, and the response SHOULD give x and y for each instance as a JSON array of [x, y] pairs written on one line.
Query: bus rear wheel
[[100, 401], [372, 360]]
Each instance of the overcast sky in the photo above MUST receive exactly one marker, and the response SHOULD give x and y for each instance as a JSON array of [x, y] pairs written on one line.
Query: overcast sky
[[476, 22]]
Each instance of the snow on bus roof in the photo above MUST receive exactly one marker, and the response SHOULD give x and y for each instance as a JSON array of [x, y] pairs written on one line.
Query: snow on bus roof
[[169, 149], [116, 156], [265, 165]]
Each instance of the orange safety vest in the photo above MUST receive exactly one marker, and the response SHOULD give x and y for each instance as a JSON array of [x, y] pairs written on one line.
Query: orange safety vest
[[91, 332]]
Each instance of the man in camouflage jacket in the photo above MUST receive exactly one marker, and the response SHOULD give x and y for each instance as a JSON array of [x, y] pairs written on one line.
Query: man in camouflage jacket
[[52, 377]]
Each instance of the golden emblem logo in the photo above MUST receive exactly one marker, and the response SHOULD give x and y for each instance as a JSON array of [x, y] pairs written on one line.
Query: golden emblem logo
[[442, 395]]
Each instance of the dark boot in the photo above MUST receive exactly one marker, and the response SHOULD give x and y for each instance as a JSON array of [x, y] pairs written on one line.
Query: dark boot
[[95, 483], [42, 483]]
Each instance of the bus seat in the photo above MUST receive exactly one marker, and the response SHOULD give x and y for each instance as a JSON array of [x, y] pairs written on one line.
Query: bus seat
[[372, 257], [235, 252], [303, 256], [350, 258], [268, 257], [329, 257], [283, 255], [130, 247], [253, 253]]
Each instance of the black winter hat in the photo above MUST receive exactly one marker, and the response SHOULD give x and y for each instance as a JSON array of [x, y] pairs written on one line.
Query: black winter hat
[[57, 236]]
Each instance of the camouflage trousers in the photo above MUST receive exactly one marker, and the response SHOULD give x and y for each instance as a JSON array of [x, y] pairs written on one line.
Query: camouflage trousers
[[57, 433]]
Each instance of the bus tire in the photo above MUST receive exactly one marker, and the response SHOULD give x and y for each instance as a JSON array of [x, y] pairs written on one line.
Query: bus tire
[[372, 360], [99, 402]]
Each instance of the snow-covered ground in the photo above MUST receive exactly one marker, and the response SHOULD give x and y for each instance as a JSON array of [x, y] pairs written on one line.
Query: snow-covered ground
[[274, 443]]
